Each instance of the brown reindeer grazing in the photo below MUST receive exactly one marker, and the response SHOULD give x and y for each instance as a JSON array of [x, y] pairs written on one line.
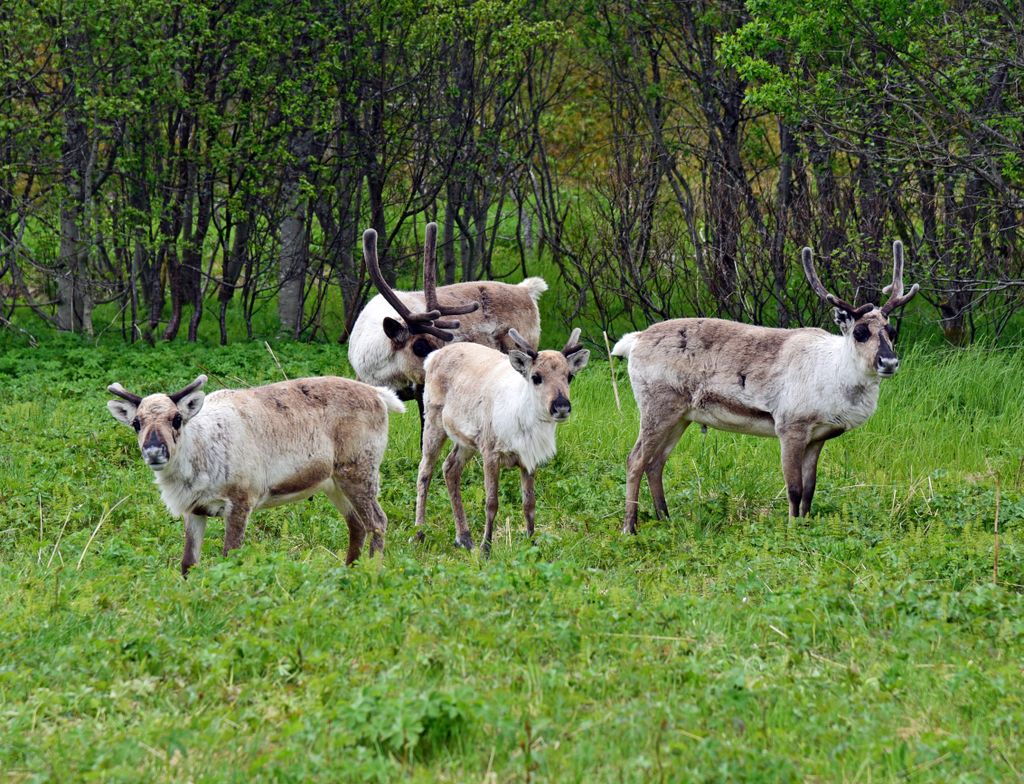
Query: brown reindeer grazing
[[505, 407], [397, 330], [802, 386], [237, 450]]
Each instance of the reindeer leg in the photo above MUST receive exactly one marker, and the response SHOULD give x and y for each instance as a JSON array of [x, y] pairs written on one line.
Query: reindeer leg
[[655, 442], [365, 517], [809, 474], [635, 466], [453, 465], [418, 394], [340, 500], [380, 528], [432, 439], [656, 467], [491, 473], [236, 517], [529, 499], [195, 529], [379, 525], [357, 502], [358, 523], [794, 446], [655, 481]]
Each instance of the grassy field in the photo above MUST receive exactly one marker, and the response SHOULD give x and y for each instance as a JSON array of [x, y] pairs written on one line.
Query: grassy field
[[867, 643]]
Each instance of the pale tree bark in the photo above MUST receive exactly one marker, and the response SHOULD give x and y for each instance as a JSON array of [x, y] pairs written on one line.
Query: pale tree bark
[[294, 259]]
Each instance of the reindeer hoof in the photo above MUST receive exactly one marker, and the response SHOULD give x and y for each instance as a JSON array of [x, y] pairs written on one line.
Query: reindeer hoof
[[464, 540], [417, 538]]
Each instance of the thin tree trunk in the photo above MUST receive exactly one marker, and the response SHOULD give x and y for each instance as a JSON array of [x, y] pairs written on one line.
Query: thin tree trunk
[[788, 150], [74, 308], [233, 267], [448, 241], [294, 261]]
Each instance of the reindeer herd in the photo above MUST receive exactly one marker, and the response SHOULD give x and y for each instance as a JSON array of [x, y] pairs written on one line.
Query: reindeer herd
[[480, 382]]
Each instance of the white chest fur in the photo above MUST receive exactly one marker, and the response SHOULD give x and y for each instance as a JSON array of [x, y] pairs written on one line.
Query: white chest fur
[[518, 432]]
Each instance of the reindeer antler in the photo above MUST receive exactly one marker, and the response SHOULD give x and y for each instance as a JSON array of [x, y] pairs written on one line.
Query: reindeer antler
[[807, 259], [573, 344], [120, 391], [897, 297], [430, 282], [177, 396], [522, 344], [418, 323]]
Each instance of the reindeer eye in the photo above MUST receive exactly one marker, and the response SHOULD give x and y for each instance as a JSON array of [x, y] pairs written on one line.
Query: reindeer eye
[[176, 422], [891, 332], [422, 348], [537, 378], [571, 377], [861, 333], [137, 424]]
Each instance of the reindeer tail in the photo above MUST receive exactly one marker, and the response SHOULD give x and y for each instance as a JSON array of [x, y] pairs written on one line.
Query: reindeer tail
[[390, 399], [625, 344], [534, 286]]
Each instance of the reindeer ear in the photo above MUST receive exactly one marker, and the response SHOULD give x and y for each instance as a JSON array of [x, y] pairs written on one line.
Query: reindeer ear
[[522, 362], [843, 319], [189, 405], [578, 360], [122, 411], [396, 331]]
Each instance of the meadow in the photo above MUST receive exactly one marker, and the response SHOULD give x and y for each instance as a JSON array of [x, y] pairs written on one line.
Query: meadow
[[873, 641]]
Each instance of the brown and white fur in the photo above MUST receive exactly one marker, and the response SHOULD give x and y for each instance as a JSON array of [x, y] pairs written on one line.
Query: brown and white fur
[[506, 408], [388, 347], [802, 386], [233, 451], [383, 352]]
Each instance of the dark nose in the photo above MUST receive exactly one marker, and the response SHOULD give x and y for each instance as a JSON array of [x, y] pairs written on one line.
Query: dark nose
[[154, 450], [888, 364], [886, 360], [560, 405]]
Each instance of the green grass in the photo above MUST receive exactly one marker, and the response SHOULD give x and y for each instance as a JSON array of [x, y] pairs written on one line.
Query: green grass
[[867, 643]]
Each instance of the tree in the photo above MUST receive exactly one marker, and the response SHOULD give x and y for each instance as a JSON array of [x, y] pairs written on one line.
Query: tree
[[910, 113]]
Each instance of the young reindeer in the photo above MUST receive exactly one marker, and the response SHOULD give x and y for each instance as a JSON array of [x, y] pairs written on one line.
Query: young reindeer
[[237, 450], [505, 407], [397, 330], [802, 386]]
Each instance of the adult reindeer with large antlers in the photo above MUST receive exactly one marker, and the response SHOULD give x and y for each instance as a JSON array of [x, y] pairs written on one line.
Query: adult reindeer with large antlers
[[397, 330], [802, 386]]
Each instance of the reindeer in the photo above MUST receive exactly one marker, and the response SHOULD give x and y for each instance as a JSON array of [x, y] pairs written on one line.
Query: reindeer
[[397, 330], [237, 450], [802, 386], [505, 407]]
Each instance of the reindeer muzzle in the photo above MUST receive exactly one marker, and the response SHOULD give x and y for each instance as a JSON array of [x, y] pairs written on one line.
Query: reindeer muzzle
[[154, 452], [887, 366], [560, 408], [886, 361]]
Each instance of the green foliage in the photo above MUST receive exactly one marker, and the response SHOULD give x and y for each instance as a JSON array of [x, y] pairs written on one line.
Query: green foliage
[[729, 643], [917, 67]]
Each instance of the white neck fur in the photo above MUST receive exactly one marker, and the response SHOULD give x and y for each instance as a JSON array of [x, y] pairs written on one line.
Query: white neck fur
[[520, 428]]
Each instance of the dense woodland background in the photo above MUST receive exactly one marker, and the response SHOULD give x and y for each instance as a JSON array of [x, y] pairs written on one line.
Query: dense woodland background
[[652, 159]]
